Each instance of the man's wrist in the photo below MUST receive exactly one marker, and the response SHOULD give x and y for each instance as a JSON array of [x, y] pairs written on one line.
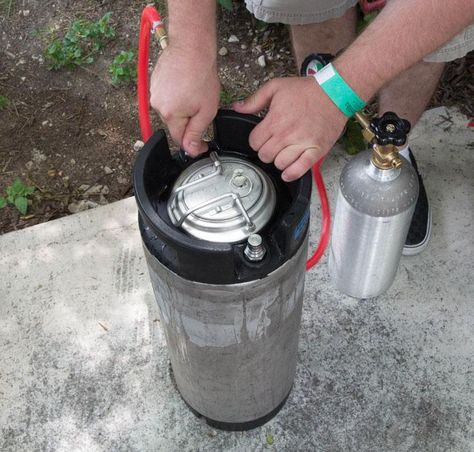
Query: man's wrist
[[339, 91], [359, 74]]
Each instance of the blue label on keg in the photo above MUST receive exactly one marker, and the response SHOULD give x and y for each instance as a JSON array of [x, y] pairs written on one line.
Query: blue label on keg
[[301, 226]]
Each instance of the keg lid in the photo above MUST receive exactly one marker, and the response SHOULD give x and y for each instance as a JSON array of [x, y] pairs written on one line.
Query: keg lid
[[222, 199]]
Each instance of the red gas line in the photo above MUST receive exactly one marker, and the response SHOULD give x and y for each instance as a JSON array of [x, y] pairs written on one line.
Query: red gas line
[[151, 23]]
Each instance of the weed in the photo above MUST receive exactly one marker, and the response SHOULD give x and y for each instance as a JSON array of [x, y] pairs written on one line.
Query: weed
[[82, 40], [17, 194], [161, 6], [123, 69], [226, 4], [3, 102], [269, 438], [7, 6], [365, 20], [227, 97], [352, 140]]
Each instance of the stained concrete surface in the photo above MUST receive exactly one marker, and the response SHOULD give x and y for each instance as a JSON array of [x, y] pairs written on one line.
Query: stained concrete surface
[[84, 365]]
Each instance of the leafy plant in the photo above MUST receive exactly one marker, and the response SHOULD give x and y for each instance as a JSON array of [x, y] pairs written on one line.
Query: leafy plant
[[7, 6], [227, 97], [82, 40], [124, 68], [3, 102], [161, 6], [352, 140], [365, 20], [226, 4], [269, 438], [17, 194]]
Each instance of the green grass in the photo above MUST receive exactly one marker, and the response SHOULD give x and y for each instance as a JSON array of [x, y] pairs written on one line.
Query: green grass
[[80, 43]]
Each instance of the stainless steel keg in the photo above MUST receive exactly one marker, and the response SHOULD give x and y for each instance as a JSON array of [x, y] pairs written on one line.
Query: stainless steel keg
[[226, 242]]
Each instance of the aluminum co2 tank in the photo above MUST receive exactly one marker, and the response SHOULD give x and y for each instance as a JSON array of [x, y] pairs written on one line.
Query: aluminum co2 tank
[[378, 190]]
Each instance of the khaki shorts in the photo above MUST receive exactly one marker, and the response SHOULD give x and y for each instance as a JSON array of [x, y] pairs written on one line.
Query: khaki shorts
[[300, 12]]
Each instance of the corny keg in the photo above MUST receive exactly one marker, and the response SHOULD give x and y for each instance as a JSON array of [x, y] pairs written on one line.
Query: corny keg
[[225, 241]]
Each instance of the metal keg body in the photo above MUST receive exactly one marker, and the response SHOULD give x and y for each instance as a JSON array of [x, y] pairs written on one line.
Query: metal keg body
[[230, 309], [377, 194]]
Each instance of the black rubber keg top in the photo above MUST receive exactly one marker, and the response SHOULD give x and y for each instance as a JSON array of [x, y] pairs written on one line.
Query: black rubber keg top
[[154, 174]]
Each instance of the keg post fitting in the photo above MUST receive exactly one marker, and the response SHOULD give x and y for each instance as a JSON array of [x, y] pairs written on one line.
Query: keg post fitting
[[255, 250]]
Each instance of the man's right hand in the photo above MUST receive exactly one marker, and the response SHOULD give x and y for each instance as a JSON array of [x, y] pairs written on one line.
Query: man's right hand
[[185, 92]]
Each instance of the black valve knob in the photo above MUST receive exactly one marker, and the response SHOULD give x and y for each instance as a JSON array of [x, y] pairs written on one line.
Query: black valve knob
[[390, 129]]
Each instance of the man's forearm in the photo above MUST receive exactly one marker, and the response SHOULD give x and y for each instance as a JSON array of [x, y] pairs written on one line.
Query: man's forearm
[[192, 25], [403, 33]]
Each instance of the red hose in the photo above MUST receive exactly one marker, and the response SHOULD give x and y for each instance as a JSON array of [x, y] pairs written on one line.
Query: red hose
[[150, 20], [326, 217]]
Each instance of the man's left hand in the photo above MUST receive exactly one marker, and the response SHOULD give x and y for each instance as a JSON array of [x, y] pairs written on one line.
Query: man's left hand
[[300, 128]]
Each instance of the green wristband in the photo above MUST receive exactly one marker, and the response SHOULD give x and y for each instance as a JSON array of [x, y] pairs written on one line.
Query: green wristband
[[345, 98]]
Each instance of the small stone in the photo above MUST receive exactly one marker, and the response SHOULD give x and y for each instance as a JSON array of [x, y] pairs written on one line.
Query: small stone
[[29, 165], [246, 65], [38, 156], [108, 170], [45, 123], [233, 38], [261, 61], [122, 180], [243, 47], [82, 205], [223, 51], [26, 12], [73, 162], [84, 187], [103, 200], [94, 190], [105, 190], [138, 145]]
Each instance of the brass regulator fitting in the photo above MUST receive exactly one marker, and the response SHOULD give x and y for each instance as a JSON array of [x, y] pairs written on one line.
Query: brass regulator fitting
[[385, 134]]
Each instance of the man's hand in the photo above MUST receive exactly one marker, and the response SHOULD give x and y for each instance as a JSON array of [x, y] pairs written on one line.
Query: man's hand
[[185, 92], [300, 128]]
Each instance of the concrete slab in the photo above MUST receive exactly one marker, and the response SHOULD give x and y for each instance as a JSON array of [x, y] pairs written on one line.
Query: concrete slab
[[84, 363]]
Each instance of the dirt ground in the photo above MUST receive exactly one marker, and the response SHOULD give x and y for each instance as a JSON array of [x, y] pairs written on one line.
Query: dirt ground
[[71, 133]]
